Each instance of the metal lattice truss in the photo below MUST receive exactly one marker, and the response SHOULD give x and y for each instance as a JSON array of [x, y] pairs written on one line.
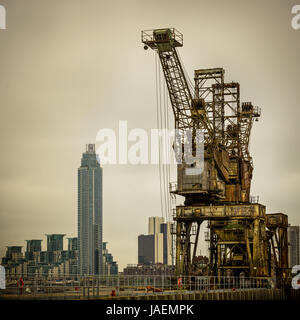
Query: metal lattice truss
[[215, 107], [248, 114], [184, 106]]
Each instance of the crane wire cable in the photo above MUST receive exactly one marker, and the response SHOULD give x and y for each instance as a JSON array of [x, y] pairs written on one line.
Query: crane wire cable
[[168, 168], [167, 152], [162, 142], [158, 124], [163, 125], [168, 174], [166, 149]]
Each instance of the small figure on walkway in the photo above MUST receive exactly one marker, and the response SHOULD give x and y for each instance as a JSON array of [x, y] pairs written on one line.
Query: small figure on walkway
[[20, 284]]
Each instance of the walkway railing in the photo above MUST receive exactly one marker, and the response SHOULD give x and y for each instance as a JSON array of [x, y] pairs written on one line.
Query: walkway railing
[[95, 286]]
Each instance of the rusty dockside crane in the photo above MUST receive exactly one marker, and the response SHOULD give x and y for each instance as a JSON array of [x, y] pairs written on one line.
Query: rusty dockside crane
[[243, 238]]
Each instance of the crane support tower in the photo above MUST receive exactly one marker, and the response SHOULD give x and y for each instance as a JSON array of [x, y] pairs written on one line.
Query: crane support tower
[[243, 238]]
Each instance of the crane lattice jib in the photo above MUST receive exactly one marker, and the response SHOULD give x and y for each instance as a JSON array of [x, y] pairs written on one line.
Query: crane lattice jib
[[189, 113], [248, 114]]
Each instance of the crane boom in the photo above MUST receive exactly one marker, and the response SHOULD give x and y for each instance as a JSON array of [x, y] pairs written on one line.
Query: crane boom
[[188, 111]]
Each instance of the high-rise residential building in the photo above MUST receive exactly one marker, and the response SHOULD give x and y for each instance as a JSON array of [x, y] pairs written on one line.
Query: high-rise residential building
[[90, 260], [73, 255], [54, 261], [55, 242], [110, 267], [33, 249], [34, 245], [13, 253], [72, 244], [293, 239], [55, 246]]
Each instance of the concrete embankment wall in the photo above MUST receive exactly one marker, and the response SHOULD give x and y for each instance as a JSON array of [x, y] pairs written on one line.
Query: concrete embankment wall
[[261, 294]]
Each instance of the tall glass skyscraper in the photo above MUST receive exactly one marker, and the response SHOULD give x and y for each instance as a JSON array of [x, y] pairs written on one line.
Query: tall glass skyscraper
[[90, 213]]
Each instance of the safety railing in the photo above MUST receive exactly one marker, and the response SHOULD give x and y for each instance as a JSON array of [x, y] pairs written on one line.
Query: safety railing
[[39, 286], [148, 36], [95, 286]]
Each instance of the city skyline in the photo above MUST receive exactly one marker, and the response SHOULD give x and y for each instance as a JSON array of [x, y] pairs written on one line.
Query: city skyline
[[64, 77]]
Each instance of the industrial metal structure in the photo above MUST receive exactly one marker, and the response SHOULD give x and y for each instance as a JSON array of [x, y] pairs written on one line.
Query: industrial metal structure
[[243, 238]]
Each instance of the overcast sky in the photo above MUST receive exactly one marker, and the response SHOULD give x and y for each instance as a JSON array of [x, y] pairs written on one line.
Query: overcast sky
[[71, 67]]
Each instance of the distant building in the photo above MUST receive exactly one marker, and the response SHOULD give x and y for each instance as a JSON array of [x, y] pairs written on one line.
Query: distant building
[[73, 255], [154, 224], [146, 249], [33, 250], [13, 255], [55, 242], [55, 247], [293, 239], [158, 248], [110, 267], [152, 269], [34, 245], [54, 261], [72, 244], [90, 258], [165, 229], [155, 247]]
